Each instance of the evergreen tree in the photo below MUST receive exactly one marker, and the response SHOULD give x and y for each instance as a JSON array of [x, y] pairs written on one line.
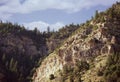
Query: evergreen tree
[[96, 14], [48, 29]]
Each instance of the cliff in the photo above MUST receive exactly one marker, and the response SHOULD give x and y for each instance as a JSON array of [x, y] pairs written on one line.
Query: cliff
[[22, 50], [91, 45]]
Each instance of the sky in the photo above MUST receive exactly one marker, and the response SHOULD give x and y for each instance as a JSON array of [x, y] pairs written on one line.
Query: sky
[[52, 13]]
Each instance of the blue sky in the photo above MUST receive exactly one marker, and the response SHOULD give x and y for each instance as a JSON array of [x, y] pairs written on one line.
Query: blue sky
[[53, 13]]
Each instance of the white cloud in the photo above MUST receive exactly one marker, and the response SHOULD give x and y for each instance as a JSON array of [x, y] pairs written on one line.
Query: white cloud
[[42, 26], [28, 6], [66, 5], [5, 16]]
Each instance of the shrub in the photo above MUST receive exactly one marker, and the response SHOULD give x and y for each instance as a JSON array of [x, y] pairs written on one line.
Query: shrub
[[52, 77], [95, 27], [112, 72], [100, 73], [82, 65]]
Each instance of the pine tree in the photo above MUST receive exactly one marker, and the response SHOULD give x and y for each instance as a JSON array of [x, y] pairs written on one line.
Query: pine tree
[[96, 14], [48, 29]]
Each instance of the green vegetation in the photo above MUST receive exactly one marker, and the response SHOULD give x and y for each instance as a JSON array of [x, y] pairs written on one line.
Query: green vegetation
[[114, 12], [100, 72], [73, 74], [52, 77], [65, 32], [112, 71], [95, 27], [110, 14], [16, 61], [59, 37]]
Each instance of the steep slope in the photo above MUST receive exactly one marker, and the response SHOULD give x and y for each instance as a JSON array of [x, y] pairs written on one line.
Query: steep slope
[[58, 37], [22, 50], [78, 56]]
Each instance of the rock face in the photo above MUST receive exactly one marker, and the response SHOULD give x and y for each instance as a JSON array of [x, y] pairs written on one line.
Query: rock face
[[22, 50], [85, 43], [77, 47], [53, 65]]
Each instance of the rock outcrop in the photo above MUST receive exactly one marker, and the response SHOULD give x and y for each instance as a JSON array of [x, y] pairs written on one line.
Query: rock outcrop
[[77, 47], [87, 42]]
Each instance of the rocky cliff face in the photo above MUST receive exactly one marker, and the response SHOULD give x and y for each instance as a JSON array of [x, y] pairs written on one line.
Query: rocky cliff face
[[90, 41], [22, 50], [79, 46]]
